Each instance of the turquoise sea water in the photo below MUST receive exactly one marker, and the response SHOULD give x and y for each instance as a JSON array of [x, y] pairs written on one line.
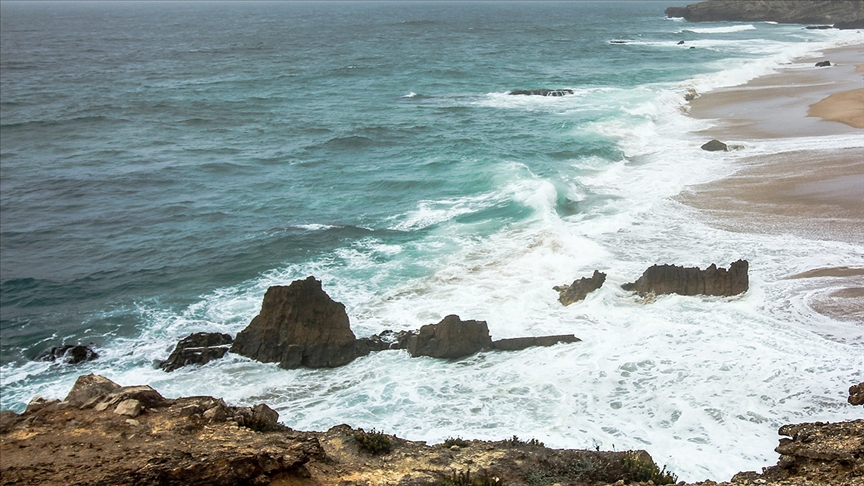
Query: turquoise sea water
[[163, 163]]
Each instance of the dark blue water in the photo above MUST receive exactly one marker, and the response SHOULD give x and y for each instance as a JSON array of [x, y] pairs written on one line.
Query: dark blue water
[[162, 163]]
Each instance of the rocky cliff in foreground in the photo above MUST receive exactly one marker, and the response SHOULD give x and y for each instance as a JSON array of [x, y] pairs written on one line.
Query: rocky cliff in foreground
[[107, 434], [841, 13]]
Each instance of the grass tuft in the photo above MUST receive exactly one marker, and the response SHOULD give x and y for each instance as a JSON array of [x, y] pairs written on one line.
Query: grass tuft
[[641, 470]]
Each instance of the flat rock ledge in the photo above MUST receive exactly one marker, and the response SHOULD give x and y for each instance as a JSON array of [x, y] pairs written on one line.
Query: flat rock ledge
[[203, 440]]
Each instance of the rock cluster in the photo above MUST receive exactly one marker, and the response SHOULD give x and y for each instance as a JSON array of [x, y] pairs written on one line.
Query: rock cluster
[[69, 353], [198, 348], [841, 13], [579, 289], [542, 92], [672, 279]]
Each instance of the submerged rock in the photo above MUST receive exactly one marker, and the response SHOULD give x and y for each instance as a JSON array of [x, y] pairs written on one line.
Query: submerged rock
[[299, 325], [451, 338], [542, 92], [198, 348], [579, 289], [517, 344], [672, 279], [70, 354], [823, 64], [715, 146]]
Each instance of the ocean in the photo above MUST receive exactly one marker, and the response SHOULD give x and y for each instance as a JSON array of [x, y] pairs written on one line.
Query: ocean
[[163, 163]]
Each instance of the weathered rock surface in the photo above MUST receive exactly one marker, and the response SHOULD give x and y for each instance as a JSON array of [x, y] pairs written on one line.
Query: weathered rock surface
[[516, 344], [198, 348], [579, 289], [715, 146], [782, 11], [69, 353], [672, 279], [542, 92], [299, 325], [451, 338], [856, 394]]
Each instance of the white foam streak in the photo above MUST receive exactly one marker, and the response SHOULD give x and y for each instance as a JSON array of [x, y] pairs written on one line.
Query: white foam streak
[[721, 30]]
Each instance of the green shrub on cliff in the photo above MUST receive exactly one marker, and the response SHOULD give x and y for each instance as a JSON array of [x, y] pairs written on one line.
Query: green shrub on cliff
[[642, 470], [374, 442], [455, 441]]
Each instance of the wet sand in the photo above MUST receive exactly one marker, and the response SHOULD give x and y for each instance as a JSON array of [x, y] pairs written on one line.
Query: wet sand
[[813, 193]]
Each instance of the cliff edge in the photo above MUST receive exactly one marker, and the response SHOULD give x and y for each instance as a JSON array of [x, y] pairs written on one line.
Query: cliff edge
[[841, 13]]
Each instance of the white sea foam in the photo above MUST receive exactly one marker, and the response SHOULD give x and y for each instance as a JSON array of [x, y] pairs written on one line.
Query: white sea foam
[[721, 30]]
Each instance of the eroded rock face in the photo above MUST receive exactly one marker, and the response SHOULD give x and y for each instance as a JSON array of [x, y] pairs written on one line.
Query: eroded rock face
[[672, 279], [451, 338], [783, 11], [579, 289], [69, 353], [856, 394], [299, 325], [198, 348]]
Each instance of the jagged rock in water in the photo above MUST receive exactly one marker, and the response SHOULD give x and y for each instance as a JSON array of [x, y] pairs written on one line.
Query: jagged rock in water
[[579, 289], [818, 27], [450, 338], [856, 394], [516, 344], [69, 353], [782, 11], [385, 340], [672, 279], [299, 325], [823, 64], [680, 43], [715, 146], [542, 92], [198, 348]]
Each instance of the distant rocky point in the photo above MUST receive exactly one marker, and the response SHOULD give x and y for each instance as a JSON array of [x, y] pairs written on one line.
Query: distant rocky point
[[843, 14]]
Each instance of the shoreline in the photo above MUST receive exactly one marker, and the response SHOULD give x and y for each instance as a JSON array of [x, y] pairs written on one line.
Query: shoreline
[[810, 190]]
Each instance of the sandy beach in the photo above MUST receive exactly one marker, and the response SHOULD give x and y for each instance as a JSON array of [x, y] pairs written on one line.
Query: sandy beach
[[812, 193]]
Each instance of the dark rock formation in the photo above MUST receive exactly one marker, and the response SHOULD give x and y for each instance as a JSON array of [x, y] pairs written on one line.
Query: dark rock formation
[[579, 289], [823, 64], [451, 338], [783, 11], [818, 27], [385, 340], [850, 25], [715, 146], [671, 279], [680, 43], [299, 325], [198, 348], [516, 344], [542, 92], [70, 354], [856, 394]]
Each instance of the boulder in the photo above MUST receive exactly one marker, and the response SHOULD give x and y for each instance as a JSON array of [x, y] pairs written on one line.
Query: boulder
[[680, 43], [130, 407], [198, 348], [856, 394], [823, 64], [516, 344], [579, 289], [88, 388], [672, 279], [715, 146], [451, 338], [144, 395], [542, 92], [69, 353], [299, 325]]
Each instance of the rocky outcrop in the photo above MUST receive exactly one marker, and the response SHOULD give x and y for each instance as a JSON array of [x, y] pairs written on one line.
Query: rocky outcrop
[[299, 325], [542, 92], [672, 279], [451, 338], [782, 11], [384, 341], [579, 289], [715, 146], [850, 25], [69, 354], [856, 394], [197, 349], [517, 344]]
